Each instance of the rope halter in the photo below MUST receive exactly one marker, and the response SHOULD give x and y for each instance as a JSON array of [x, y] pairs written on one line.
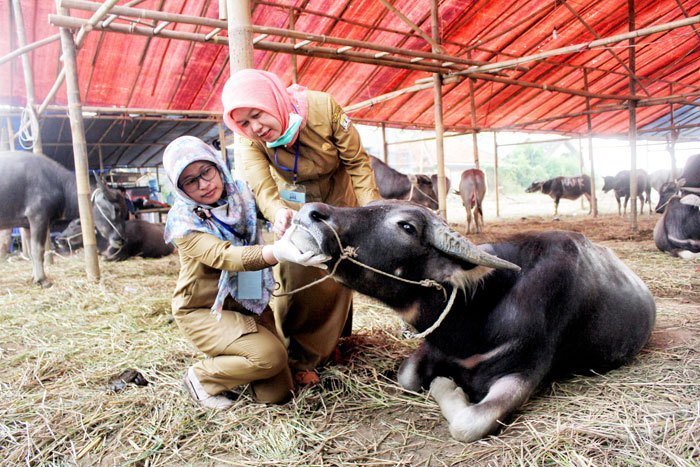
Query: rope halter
[[350, 253]]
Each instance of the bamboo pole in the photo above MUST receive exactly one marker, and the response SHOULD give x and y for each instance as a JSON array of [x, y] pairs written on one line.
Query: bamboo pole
[[433, 41], [240, 35], [589, 126], [673, 137], [633, 119], [29, 47], [79, 154], [295, 71], [385, 145], [472, 105], [439, 127], [495, 172], [138, 13], [28, 79], [587, 45]]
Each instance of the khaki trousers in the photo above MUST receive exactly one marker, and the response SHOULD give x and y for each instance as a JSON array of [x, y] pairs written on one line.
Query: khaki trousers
[[258, 356], [312, 320]]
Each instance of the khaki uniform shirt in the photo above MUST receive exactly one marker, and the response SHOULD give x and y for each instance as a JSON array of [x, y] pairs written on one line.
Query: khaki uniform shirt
[[202, 258], [333, 166]]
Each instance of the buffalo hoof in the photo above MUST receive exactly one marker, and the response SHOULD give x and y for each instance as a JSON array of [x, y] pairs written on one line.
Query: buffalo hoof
[[44, 283]]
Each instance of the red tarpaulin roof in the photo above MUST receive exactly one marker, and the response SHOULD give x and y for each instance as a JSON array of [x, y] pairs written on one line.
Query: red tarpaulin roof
[[162, 73]]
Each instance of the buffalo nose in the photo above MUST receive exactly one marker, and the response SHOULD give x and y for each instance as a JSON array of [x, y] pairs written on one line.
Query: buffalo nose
[[315, 212]]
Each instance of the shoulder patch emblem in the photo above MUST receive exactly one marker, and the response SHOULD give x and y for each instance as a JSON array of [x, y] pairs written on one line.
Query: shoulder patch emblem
[[344, 122]]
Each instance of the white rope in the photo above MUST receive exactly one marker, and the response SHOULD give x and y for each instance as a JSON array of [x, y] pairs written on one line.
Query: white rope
[[26, 135], [349, 252]]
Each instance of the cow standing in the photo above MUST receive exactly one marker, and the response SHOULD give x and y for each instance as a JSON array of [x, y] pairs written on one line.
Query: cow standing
[[472, 188], [678, 230], [393, 184], [37, 191], [564, 187], [500, 318], [620, 184]]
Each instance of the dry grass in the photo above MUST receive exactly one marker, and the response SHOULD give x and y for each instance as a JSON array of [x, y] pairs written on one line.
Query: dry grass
[[60, 346]]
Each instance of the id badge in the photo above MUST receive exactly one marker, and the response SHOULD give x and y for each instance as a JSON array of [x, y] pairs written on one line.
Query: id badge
[[293, 193], [250, 285]]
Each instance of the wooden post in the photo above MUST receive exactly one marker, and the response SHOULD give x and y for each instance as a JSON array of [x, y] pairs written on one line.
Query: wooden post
[[672, 139], [222, 143], [80, 159], [475, 142], [495, 172], [292, 22], [240, 35], [439, 128], [589, 123], [28, 78], [632, 120], [385, 146]]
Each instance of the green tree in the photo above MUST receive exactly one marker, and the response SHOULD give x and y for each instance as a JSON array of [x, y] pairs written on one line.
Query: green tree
[[529, 163]]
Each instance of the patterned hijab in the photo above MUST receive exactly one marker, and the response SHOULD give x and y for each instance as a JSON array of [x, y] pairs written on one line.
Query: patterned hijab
[[258, 89], [237, 209]]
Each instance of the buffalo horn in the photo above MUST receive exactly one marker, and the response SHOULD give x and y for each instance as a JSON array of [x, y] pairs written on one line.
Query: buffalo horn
[[448, 241]]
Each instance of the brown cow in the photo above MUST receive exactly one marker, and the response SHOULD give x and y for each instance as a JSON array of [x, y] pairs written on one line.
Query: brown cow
[[472, 188]]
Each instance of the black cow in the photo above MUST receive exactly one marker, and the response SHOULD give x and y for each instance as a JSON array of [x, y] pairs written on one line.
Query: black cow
[[472, 188], [620, 184], [564, 187], [495, 330], [142, 238], [678, 230], [36, 191], [393, 184]]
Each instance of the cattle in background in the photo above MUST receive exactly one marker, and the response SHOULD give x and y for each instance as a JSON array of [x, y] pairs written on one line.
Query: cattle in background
[[660, 177], [564, 187], [142, 238], [434, 181], [620, 184], [393, 184], [472, 188], [678, 230], [37, 191], [498, 319]]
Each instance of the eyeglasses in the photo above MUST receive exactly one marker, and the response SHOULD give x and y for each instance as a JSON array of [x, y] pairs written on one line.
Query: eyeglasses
[[191, 184]]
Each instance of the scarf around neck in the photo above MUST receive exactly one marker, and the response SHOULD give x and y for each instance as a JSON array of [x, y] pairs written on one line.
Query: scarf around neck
[[236, 208]]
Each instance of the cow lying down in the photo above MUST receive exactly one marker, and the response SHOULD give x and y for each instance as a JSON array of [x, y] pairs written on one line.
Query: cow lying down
[[143, 239], [533, 307]]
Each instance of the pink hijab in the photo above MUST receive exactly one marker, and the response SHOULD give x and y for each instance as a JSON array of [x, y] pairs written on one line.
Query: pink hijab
[[258, 89]]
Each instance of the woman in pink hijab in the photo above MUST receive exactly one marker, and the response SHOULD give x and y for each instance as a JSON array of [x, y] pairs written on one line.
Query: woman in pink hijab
[[297, 146]]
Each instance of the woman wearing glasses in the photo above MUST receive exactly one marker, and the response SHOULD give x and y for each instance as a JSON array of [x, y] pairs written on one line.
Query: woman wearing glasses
[[224, 286], [297, 146]]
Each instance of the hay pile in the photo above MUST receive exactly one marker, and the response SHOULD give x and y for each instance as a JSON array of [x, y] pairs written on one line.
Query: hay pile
[[60, 347]]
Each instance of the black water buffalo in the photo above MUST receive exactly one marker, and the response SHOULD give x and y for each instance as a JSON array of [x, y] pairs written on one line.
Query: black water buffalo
[[393, 184], [678, 230], [500, 318], [564, 187], [620, 184], [142, 238], [37, 191], [472, 188]]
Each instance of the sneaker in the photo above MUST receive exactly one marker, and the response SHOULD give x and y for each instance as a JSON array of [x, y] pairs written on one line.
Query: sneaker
[[306, 378], [196, 390]]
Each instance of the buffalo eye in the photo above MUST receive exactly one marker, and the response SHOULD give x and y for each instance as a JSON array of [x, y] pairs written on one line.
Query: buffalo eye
[[408, 228]]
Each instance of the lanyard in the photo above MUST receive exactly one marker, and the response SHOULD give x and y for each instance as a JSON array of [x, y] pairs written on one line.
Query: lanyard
[[296, 162], [230, 229]]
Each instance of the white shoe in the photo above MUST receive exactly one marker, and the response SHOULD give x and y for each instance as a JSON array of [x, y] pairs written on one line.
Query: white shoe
[[196, 390]]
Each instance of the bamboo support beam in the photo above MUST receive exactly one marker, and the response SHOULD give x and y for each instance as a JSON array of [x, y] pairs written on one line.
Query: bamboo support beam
[[79, 154], [587, 45], [29, 47], [439, 127], [633, 117], [28, 79], [430, 40]]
